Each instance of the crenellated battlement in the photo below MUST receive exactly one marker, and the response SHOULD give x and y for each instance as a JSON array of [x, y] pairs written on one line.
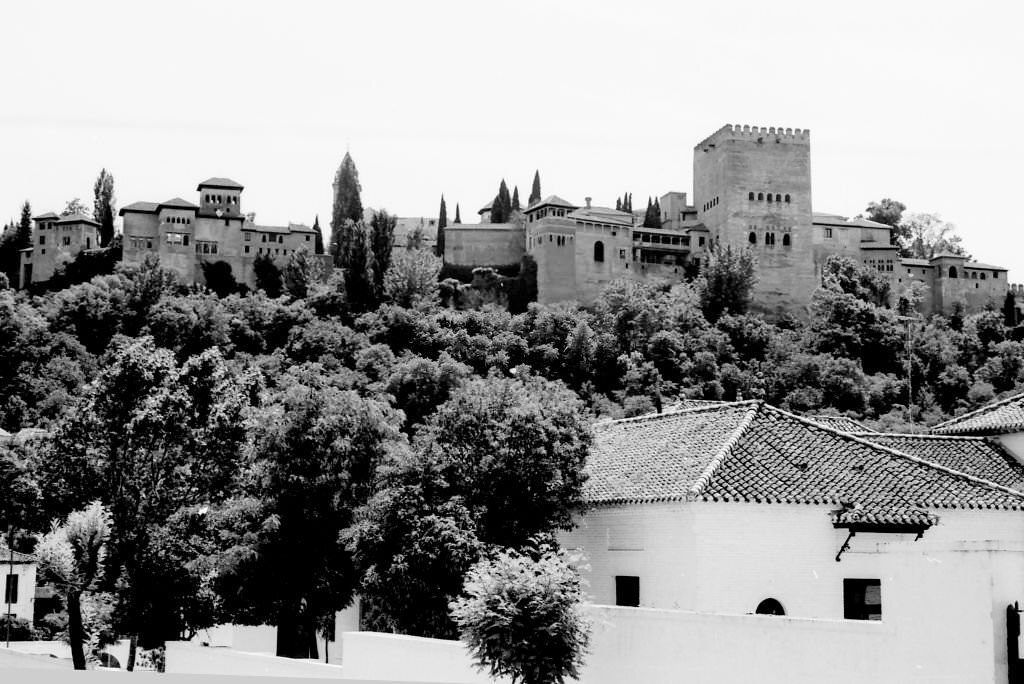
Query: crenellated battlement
[[757, 133]]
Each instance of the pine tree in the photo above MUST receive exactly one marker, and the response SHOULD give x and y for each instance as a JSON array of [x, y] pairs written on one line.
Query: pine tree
[[535, 192], [24, 228], [442, 223], [515, 199], [103, 206], [319, 245], [458, 218], [348, 208]]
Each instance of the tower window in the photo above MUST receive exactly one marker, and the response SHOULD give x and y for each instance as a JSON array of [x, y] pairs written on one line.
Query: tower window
[[952, 272], [752, 238], [862, 599], [769, 197], [828, 232], [787, 199], [760, 196], [785, 240], [598, 251], [778, 198], [750, 196]]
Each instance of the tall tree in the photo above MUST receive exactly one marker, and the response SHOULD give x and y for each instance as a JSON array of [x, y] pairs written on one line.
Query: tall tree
[[656, 213], [74, 206], [382, 242], [535, 191], [927, 235], [357, 265], [24, 235], [648, 221], [889, 212], [348, 208], [412, 278], [501, 208], [458, 216], [103, 206], [515, 199], [442, 223], [319, 236], [1009, 310]]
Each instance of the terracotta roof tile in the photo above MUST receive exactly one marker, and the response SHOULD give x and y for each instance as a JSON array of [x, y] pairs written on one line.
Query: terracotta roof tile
[[998, 418], [217, 182], [840, 423], [748, 451]]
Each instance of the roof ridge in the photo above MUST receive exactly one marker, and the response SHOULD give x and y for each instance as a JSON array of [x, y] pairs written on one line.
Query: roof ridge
[[986, 407], [672, 412], [709, 471], [924, 435], [911, 457]]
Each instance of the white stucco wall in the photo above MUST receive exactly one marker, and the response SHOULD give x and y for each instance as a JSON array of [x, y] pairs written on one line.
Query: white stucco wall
[[1014, 443], [26, 574], [944, 595]]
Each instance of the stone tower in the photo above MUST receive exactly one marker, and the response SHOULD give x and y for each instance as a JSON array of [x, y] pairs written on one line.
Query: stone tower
[[752, 189]]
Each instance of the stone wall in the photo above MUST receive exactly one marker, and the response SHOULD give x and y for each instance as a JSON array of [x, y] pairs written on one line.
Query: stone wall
[[484, 244]]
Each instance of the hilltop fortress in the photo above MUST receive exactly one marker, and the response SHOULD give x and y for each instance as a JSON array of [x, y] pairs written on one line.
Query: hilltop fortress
[[752, 189]]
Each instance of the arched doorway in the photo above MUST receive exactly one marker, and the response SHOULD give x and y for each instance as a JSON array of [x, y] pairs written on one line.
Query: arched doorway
[[770, 606]]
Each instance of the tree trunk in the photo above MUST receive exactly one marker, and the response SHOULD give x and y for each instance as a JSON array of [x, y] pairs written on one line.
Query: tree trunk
[[76, 634], [133, 647], [296, 635]]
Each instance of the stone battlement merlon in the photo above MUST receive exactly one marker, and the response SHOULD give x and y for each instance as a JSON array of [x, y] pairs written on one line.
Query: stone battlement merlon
[[742, 132]]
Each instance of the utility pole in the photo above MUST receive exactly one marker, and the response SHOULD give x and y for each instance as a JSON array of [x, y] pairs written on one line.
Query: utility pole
[[910, 368]]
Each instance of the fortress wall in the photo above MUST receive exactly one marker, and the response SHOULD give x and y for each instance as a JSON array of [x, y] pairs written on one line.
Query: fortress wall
[[556, 263], [484, 244]]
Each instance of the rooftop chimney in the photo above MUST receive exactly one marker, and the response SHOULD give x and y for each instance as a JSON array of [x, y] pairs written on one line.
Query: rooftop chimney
[[588, 202]]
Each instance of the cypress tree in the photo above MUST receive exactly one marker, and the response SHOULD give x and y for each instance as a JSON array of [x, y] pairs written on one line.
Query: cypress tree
[[535, 192], [319, 246], [515, 199], [506, 201], [103, 206], [458, 219], [24, 227], [647, 214], [656, 213], [382, 242], [618, 204], [442, 223], [629, 202], [1010, 310], [348, 209], [358, 267]]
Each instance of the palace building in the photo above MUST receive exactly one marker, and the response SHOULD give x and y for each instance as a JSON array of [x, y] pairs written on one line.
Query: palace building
[[752, 190]]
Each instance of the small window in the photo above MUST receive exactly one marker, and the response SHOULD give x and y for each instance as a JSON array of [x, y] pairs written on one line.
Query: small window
[[778, 198], [983, 276], [622, 254], [598, 251], [42, 239], [828, 232], [700, 242], [862, 599], [247, 249], [248, 236], [227, 222], [627, 591], [149, 243], [974, 275], [770, 606], [769, 197], [184, 239], [787, 199], [952, 272], [280, 239], [752, 238], [11, 589], [760, 196], [995, 275], [785, 240], [750, 196], [307, 238]]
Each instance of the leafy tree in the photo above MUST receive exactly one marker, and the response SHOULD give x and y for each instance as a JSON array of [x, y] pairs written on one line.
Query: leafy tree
[[359, 269], [442, 223], [727, 283], [418, 385], [382, 243], [72, 556], [103, 206], [318, 236], [219, 278], [535, 190], [268, 276], [523, 288], [927, 235], [316, 450], [845, 274], [348, 208], [412, 278], [302, 271], [522, 616], [889, 212], [75, 206]]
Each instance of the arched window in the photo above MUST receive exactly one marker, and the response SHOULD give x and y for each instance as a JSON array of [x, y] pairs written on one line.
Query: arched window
[[752, 238], [952, 272], [778, 198], [787, 199], [770, 606], [750, 196], [769, 197], [785, 240], [760, 195], [598, 251], [974, 275]]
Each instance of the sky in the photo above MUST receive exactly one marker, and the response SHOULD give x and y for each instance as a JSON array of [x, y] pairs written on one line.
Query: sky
[[918, 101]]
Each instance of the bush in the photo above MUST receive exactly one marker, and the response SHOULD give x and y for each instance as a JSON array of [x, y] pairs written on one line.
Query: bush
[[21, 629], [522, 616]]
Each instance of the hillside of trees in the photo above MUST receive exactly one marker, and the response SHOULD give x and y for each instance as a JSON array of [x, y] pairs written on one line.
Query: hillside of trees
[[265, 457]]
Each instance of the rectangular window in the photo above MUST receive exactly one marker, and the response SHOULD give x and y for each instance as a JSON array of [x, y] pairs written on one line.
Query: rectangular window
[[307, 238], [627, 591], [264, 238], [11, 589], [280, 238], [248, 236], [67, 240], [828, 232], [42, 239], [700, 242], [862, 599], [247, 249], [149, 244]]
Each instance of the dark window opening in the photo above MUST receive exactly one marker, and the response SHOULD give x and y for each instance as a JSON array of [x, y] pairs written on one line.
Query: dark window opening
[[760, 195], [770, 606], [785, 240], [750, 196], [787, 199], [752, 238], [778, 198], [769, 197], [952, 272], [862, 599], [627, 591], [11, 589], [598, 251]]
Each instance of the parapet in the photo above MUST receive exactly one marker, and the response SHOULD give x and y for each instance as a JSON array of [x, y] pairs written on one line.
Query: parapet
[[764, 133], [1016, 288]]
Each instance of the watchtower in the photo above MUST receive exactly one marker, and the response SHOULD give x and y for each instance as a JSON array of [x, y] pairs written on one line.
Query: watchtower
[[752, 189]]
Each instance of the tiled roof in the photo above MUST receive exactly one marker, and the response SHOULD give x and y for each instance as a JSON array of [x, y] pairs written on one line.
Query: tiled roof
[[978, 264], [751, 452], [998, 418], [77, 218], [977, 456], [553, 200], [915, 262], [216, 182], [821, 218], [47, 215], [946, 254], [19, 557], [178, 203], [139, 207], [839, 423], [604, 214], [486, 207]]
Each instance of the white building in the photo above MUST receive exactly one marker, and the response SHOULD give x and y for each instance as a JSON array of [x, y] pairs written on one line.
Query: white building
[[733, 509], [19, 573]]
